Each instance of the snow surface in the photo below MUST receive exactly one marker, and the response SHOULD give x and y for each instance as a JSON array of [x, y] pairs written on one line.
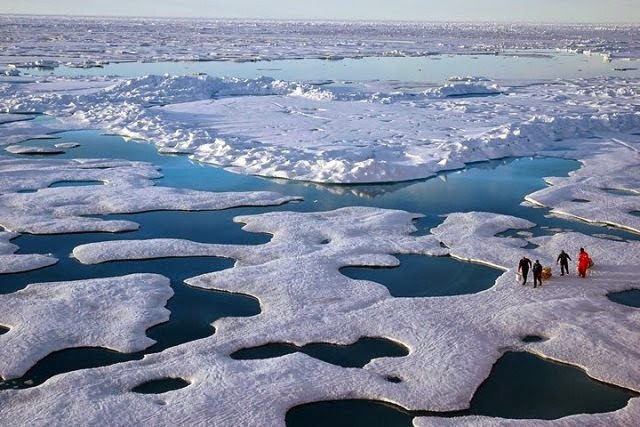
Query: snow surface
[[85, 42], [110, 312], [318, 304], [10, 262]]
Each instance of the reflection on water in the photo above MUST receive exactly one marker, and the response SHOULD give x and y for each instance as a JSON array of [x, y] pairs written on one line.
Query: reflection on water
[[630, 298], [522, 385], [426, 276], [354, 355], [349, 413]]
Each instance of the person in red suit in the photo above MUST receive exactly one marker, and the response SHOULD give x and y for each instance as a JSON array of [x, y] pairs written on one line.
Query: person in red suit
[[583, 263]]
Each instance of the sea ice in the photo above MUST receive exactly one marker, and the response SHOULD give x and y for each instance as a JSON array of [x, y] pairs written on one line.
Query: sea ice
[[96, 253], [10, 262], [369, 133], [29, 174], [465, 87], [7, 118], [73, 209], [127, 188], [15, 130], [22, 40], [110, 312], [27, 149], [67, 145], [617, 168], [318, 304]]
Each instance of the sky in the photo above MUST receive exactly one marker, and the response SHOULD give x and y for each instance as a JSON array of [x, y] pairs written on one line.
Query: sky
[[406, 10]]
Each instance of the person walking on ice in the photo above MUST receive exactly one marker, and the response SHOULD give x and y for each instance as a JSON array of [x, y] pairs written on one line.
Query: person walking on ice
[[563, 259], [584, 262], [523, 268], [537, 274]]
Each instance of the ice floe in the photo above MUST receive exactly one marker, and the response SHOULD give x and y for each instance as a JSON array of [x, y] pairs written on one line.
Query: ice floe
[[109, 312], [465, 87], [29, 149], [16, 128], [128, 188], [305, 299], [73, 209], [606, 190], [67, 145], [6, 118], [28, 174], [10, 262], [96, 253]]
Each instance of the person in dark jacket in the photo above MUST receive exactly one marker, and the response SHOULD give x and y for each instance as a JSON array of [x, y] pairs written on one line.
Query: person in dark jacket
[[563, 259], [537, 274], [523, 268]]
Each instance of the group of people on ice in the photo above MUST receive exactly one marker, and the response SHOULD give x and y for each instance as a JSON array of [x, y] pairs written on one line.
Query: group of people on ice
[[539, 272]]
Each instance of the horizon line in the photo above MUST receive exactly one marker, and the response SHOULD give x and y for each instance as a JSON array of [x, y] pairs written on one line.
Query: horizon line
[[327, 20]]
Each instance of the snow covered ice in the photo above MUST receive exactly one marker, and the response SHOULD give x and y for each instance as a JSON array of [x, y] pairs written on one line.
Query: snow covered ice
[[188, 39], [10, 262], [25, 149], [127, 188], [110, 312], [338, 132], [299, 131], [67, 145], [6, 118], [318, 304]]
